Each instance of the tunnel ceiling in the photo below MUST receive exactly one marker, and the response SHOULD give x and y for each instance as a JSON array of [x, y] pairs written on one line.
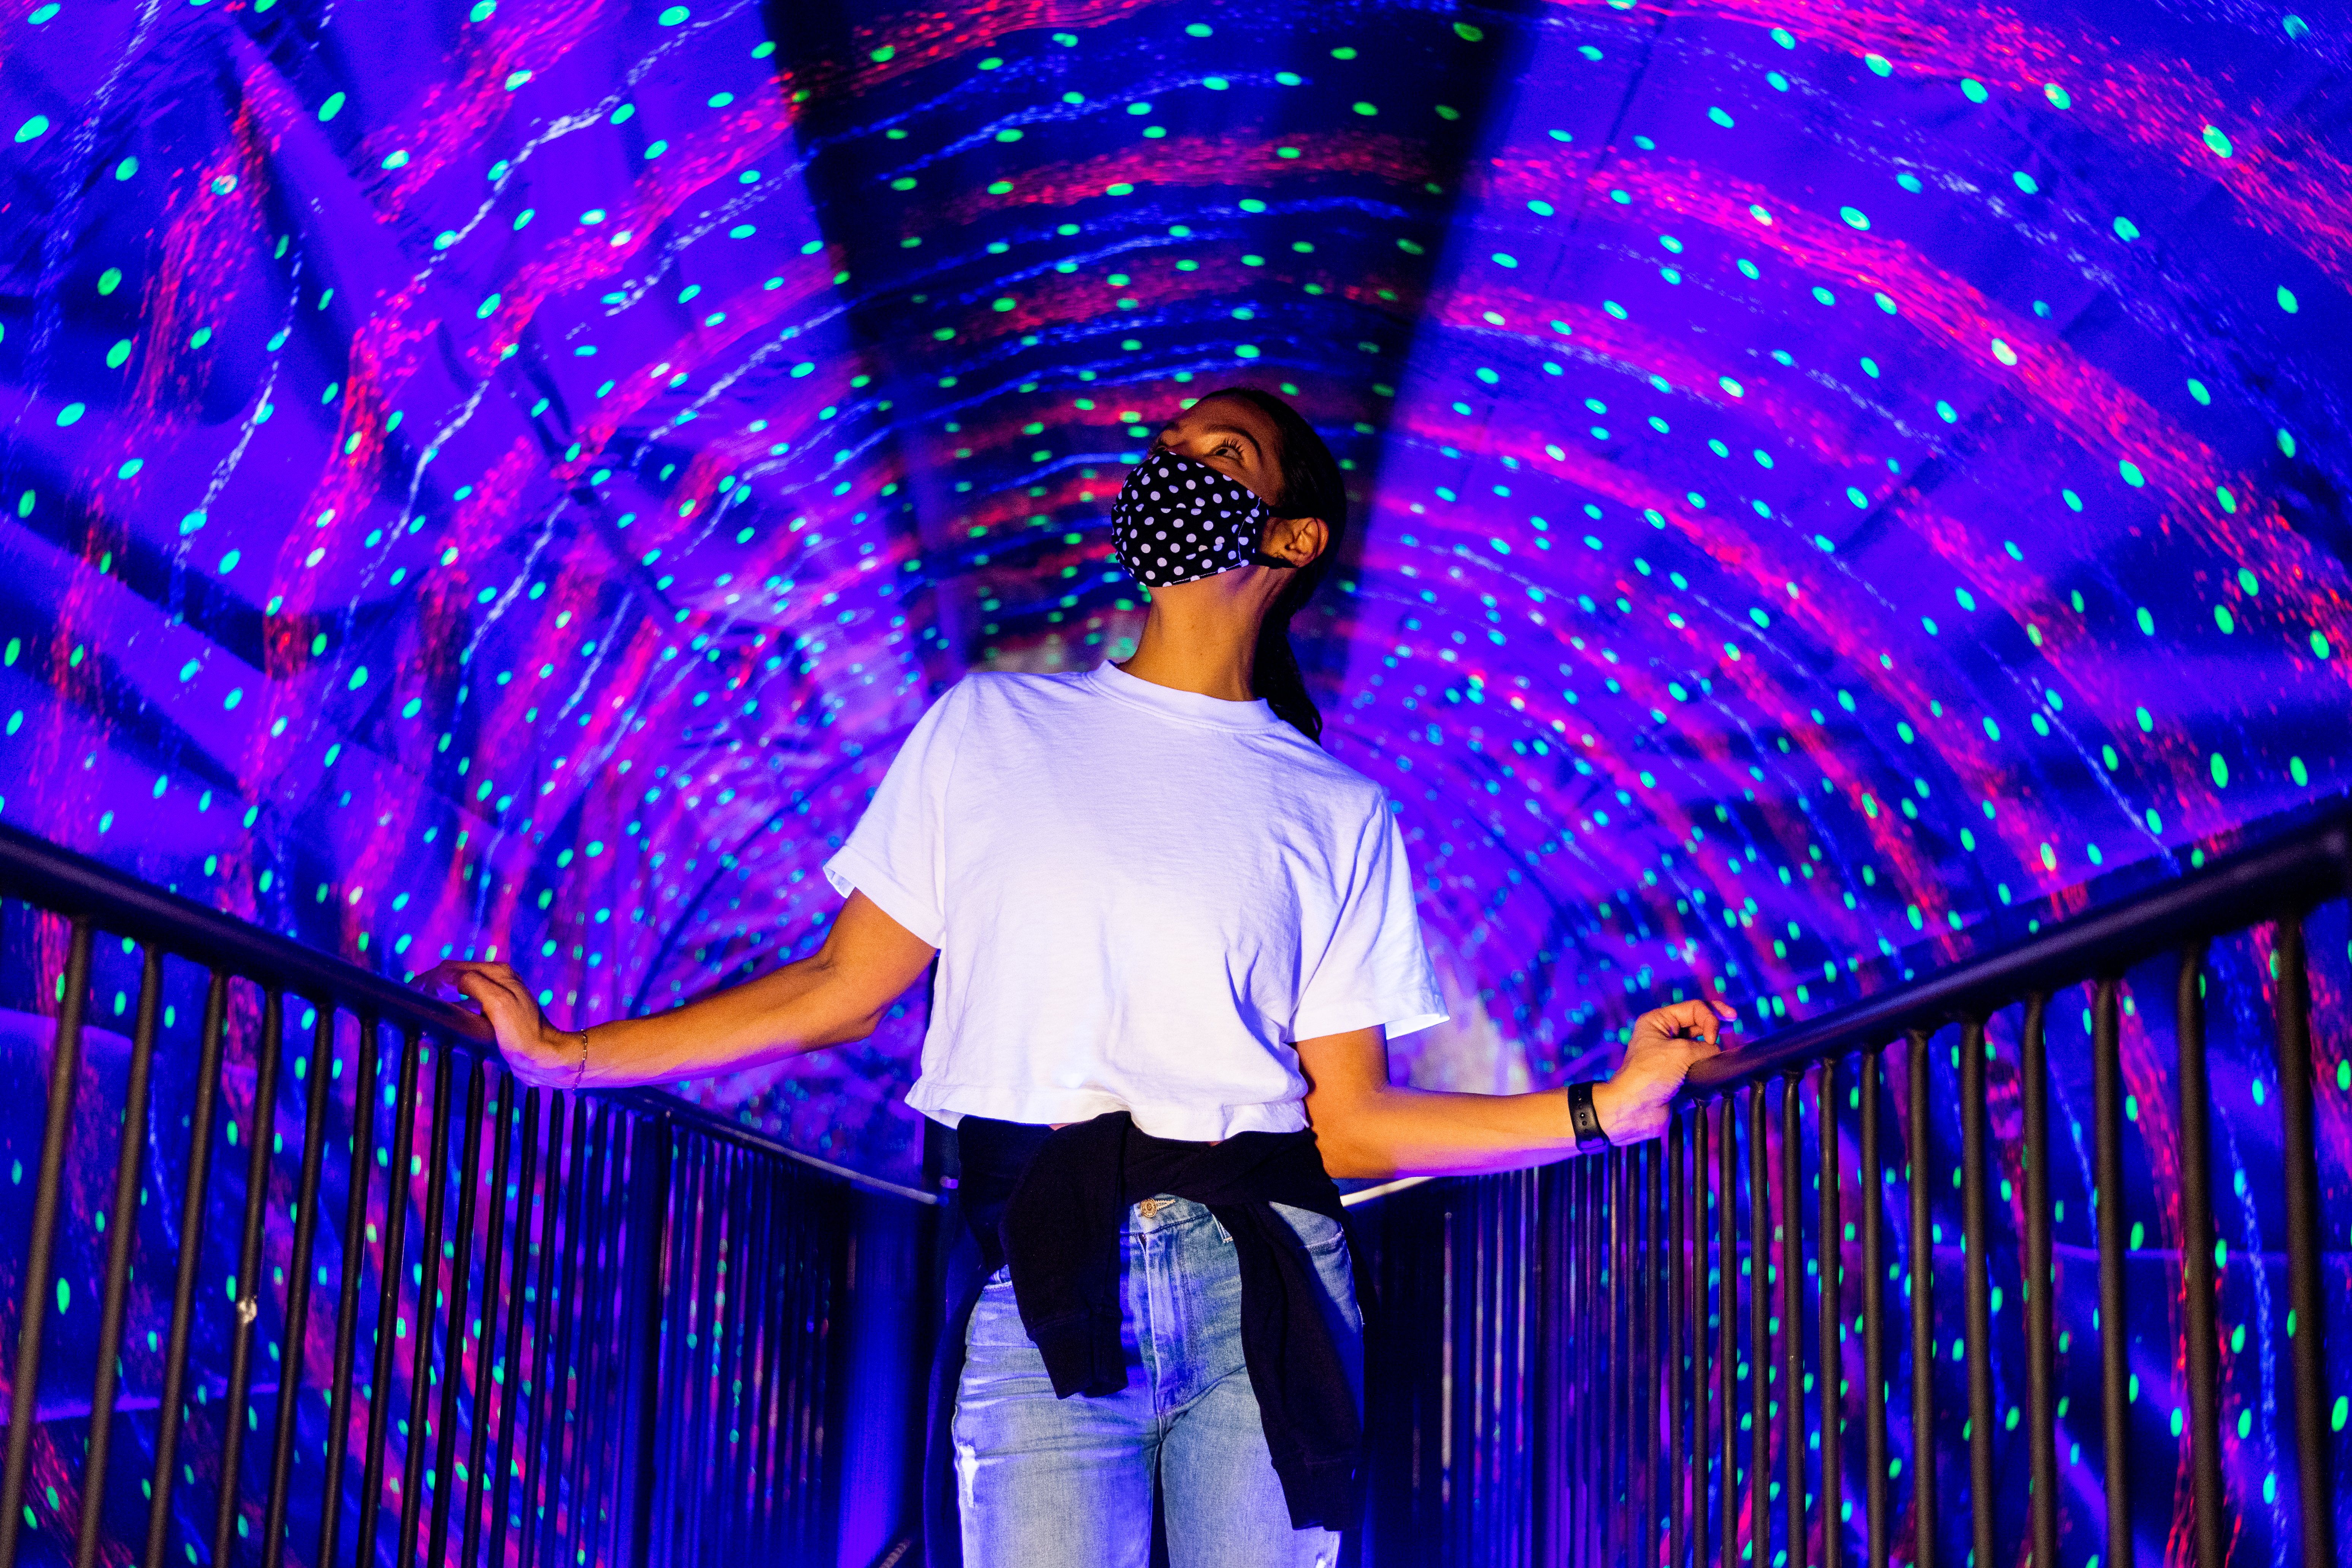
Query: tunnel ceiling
[[1831, 483]]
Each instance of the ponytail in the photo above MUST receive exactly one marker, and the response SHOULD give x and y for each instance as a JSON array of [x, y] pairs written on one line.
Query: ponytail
[[1311, 487]]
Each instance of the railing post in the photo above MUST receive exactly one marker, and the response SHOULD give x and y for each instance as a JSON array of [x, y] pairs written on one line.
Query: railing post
[[1923, 1313], [264, 1132], [1831, 1328], [1880, 1533], [2040, 1283], [65, 1074], [2307, 1318], [2201, 1360], [1975, 1277], [122, 1229], [649, 1188], [2115, 1338], [294, 1333], [1792, 1321], [183, 1290]]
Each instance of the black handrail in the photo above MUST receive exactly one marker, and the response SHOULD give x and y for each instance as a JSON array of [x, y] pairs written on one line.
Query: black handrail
[[2252, 885], [79, 888]]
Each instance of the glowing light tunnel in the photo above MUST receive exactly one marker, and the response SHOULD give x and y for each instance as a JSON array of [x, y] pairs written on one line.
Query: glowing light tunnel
[[1833, 485]]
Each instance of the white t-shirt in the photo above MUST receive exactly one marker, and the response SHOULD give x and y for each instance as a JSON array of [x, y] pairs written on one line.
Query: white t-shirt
[[1141, 898]]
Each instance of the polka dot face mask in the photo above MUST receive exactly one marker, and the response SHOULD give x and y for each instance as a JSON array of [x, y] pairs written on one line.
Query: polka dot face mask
[[1177, 520]]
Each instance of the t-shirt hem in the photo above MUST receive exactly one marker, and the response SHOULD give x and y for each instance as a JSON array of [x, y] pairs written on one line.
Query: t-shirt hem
[[1398, 1016], [1036, 1106]]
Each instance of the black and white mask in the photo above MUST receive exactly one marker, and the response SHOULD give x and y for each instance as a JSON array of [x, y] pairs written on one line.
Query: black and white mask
[[1177, 520]]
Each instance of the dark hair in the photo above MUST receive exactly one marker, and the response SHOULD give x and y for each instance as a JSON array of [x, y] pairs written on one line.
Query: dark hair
[[1311, 487]]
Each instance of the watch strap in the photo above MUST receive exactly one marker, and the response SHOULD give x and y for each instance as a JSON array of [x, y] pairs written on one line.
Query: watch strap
[[1584, 1118]]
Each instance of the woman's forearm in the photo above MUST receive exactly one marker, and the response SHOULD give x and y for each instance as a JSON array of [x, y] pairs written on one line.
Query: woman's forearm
[[1370, 1128], [1400, 1132], [796, 1008], [837, 993]]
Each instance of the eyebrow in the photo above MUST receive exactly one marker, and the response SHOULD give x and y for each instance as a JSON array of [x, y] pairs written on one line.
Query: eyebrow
[[1236, 430]]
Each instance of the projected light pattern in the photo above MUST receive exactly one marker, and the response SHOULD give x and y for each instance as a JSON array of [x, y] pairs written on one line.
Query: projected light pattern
[[1836, 488]]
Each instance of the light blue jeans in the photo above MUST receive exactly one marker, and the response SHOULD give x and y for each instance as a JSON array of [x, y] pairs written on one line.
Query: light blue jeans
[[1043, 1482]]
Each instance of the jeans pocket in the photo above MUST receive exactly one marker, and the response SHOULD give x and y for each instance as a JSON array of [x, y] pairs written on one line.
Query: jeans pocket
[[996, 1316], [1321, 1234]]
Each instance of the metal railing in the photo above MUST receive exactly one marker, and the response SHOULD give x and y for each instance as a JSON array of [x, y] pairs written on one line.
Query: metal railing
[[457, 1320], [1633, 1359], [614, 1329]]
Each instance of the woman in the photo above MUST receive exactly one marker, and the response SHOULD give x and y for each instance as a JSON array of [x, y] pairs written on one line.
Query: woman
[[1173, 937]]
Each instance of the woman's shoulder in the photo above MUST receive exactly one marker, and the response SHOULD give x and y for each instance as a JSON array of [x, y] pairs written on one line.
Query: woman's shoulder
[[1339, 785], [991, 697]]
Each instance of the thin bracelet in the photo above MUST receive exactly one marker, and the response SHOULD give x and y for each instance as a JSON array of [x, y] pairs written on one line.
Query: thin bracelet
[[581, 1073]]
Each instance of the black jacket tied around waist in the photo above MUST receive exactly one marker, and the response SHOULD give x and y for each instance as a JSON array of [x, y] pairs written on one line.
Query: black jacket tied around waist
[[1053, 1204]]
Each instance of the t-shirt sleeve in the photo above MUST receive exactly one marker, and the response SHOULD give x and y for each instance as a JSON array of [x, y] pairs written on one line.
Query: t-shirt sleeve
[[897, 856], [1375, 971]]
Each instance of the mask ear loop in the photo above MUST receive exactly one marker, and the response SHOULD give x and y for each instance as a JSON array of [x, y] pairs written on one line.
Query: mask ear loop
[[1260, 558]]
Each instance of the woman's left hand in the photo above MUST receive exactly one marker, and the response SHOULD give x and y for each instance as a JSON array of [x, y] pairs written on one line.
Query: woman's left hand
[[1666, 1040]]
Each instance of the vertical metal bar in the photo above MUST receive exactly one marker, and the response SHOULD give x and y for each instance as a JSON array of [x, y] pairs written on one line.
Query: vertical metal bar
[[556, 1222], [347, 1300], [2306, 1324], [1923, 1316], [168, 1409], [1589, 1333], [248, 1272], [461, 1317], [1656, 1357], [1627, 1210], [294, 1336], [1679, 1331], [1678, 1284], [1759, 1331], [1793, 1318], [2108, 1114], [1976, 1283], [2041, 1306], [1726, 1388], [1613, 1436], [1644, 1420], [395, 1229], [576, 1363], [65, 1076], [428, 1293], [556, 1443], [512, 1388], [1702, 1431], [2203, 1348], [488, 1353], [1873, 1182], [1831, 1326], [122, 1229], [1577, 1355]]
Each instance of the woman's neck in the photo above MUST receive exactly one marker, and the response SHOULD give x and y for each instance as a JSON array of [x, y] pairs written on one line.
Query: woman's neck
[[1203, 637]]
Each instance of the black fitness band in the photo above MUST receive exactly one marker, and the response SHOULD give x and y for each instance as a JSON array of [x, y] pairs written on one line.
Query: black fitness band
[[1584, 1119]]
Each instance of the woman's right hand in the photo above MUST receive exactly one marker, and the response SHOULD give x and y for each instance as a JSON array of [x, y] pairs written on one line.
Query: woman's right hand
[[535, 1051]]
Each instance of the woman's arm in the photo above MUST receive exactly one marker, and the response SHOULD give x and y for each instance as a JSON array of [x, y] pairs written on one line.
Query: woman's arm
[[1368, 1127], [837, 994]]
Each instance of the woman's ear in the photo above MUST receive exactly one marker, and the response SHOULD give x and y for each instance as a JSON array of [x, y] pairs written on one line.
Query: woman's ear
[[1297, 539]]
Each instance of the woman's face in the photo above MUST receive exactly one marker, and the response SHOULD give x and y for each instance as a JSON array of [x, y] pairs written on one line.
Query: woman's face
[[1230, 437]]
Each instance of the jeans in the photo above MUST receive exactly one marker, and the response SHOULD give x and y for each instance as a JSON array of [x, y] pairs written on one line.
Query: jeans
[[1043, 1482]]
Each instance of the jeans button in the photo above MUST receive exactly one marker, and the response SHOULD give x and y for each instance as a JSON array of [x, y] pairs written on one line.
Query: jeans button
[[1148, 1207]]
